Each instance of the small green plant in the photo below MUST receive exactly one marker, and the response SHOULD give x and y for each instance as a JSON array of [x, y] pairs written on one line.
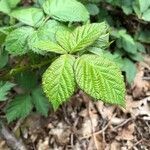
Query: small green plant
[[57, 32], [96, 75]]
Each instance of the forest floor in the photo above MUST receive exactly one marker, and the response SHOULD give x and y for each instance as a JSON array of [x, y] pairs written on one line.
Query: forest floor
[[82, 124]]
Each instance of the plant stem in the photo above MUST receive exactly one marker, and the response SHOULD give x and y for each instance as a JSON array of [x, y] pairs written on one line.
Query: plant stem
[[17, 70]]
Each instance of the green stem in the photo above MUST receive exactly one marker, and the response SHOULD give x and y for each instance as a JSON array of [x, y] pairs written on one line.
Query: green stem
[[17, 70]]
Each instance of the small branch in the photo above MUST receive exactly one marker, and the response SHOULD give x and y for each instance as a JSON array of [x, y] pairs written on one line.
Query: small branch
[[123, 123], [10, 139], [17, 70]]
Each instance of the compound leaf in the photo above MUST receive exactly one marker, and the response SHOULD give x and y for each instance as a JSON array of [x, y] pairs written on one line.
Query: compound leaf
[[4, 89], [66, 10], [100, 78], [30, 16], [58, 80], [19, 107], [16, 41]]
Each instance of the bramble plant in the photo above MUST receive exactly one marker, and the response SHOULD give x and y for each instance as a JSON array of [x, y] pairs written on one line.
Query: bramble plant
[[75, 50]]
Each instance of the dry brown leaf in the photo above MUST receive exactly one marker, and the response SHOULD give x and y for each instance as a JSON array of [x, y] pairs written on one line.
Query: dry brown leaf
[[96, 143], [105, 111], [43, 145], [126, 133], [3, 145], [115, 145], [140, 86], [135, 108], [61, 133], [89, 123]]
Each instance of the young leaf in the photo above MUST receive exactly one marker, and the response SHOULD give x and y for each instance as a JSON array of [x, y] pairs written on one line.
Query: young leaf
[[19, 107], [64, 40], [44, 33], [40, 101], [49, 46], [4, 89], [86, 35], [58, 80], [102, 42], [16, 41], [66, 10], [100, 78], [30, 16]]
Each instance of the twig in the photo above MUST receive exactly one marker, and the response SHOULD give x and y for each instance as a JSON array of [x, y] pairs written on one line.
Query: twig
[[16, 70], [138, 142], [123, 123], [10, 139], [92, 126], [101, 131]]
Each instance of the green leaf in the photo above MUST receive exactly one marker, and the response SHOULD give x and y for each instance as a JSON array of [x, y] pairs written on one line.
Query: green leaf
[[100, 78], [140, 47], [44, 33], [49, 46], [137, 57], [86, 35], [128, 43], [62, 40], [27, 80], [4, 89], [40, 101], [144, 36], [93, 9], [3, 58], [6, 5], [130, 68], [66, 10], [144, 4], [20, 107], [95, 50], [58, 80], [102, 41], [127, 9], [16, 41], [4, 31], [146, 15], [30, 16]]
